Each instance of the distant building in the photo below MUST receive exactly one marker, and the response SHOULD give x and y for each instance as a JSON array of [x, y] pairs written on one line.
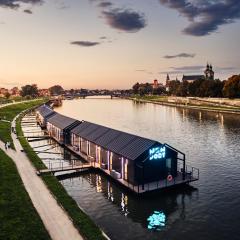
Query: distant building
[[155, 84], [208, 74], [168, 80], [192, 78]]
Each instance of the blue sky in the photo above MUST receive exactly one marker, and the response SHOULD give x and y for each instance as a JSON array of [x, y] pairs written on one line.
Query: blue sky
[[113, 44]]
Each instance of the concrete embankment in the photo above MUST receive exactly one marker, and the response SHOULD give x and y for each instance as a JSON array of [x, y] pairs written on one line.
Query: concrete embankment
[[196, 103]]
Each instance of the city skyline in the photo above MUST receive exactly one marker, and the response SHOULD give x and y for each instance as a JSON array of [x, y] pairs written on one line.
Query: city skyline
[[113, 44]]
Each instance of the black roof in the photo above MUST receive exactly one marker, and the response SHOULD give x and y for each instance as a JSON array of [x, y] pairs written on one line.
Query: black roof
[[137, 147], [45, 111], [62, 121], [192, 77], [89, 130], [127, 145]]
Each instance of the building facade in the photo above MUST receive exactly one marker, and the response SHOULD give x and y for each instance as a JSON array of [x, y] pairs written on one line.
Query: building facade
[[124, 156]]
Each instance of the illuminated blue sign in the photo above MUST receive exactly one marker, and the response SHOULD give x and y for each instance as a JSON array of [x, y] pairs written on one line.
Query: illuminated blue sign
[[157, 153], [157, 221]]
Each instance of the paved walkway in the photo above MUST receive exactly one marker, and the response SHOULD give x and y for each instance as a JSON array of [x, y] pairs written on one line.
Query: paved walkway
[[55, 219]]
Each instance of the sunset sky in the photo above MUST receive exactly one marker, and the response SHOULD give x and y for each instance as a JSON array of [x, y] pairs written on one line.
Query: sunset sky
[[113, 44]]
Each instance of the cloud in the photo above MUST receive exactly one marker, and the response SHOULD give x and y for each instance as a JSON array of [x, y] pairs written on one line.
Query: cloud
[[85, 43], [197, 68], [184, 69], [180, 55], [105, 4], [189, 68], [171, 72], [205, 16], [125, 20], [15, 4], [143, 70], [103, 38], [28, 11]]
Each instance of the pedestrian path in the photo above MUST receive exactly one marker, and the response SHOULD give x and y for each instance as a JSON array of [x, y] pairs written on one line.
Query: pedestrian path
[[55, 219]]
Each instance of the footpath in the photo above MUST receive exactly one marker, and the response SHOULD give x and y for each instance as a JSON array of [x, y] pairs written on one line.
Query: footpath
[[55, 219]]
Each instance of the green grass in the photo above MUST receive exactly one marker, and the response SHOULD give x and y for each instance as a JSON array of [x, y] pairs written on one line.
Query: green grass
[[5, 133], [151, 98], [8, 113], [37, 162], [18, 217], [203, 106], [82, 222]]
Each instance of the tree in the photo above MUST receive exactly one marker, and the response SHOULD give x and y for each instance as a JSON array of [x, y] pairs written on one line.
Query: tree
[[183, 89], [148, 88], [56, 90], [173, 87], [231, 87], [29, 90], [7, 95], [136, 88], [160, 90]]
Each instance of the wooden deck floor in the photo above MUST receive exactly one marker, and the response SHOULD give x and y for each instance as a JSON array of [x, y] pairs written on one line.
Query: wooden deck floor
[[65, 168]]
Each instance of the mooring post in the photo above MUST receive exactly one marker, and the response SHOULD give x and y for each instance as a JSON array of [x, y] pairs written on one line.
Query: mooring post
[[184, 167]]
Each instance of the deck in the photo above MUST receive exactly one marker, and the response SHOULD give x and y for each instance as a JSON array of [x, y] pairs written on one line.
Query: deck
[[82, 167], [191, 176]]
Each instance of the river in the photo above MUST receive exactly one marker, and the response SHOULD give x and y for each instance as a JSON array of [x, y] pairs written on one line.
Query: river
[[211, 142]]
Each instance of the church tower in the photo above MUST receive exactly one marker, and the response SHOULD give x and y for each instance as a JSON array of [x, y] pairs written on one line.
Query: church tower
[[209, 73], [167, 83]]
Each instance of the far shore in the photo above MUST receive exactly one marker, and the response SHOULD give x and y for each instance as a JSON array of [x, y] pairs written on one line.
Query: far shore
[[205, 104]]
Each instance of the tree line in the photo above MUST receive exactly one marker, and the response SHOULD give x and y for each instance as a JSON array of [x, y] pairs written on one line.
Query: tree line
[[199, 88]]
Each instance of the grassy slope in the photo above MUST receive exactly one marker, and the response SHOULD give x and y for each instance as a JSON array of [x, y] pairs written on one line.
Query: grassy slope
[[82, 222], [18, 217], [5, 132], [8, 113]]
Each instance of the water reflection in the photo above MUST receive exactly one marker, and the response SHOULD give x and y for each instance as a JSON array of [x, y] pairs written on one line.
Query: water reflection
[[224, 119], [156, 221], [155, 212]]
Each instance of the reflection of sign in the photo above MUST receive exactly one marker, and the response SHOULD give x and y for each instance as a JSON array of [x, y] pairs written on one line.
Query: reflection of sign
[[157, 153], [156, 221]]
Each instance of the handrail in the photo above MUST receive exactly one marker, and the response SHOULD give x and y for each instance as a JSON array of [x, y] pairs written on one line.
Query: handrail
[[174, 148]]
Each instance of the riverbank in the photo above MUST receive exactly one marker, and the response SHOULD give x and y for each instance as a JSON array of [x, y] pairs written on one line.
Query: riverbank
[[80, 220], [191, 103], [7, 114], [19, 219]]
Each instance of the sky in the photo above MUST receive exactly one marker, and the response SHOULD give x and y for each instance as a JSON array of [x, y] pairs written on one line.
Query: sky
[[114, 44]]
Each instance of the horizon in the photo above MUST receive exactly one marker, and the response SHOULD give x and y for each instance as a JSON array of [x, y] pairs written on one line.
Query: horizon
[[96, 44]]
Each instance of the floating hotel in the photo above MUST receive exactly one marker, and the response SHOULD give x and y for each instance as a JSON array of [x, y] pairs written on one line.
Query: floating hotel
[[138, 163]]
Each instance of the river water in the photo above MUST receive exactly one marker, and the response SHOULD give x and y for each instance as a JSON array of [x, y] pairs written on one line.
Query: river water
[[211, 141]]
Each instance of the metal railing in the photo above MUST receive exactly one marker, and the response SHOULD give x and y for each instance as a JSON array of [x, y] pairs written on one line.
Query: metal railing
[[191, 174], [65, 165]]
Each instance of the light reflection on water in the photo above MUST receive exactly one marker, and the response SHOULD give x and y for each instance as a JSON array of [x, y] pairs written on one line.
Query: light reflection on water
[[123, 215]]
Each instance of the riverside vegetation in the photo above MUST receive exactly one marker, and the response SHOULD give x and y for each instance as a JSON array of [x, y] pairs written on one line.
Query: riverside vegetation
[[8, 113], [18, 217]]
